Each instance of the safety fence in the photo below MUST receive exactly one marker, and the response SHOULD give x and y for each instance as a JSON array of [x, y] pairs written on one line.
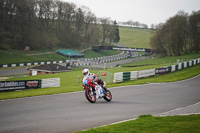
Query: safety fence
[[133, 75], [29, 84]]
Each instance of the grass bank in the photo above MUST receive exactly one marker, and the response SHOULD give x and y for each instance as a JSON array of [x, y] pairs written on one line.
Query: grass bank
[[152, 124], [165, 61], [135, 37]]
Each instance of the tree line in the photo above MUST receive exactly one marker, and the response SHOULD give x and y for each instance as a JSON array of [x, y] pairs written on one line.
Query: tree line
[[132, 23], [43, 24], [180, 34]]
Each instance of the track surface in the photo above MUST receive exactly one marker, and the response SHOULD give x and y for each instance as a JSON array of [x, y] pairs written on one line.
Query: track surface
[[71, 112]]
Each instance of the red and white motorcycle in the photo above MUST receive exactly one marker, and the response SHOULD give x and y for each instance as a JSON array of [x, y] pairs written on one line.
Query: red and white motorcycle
[[97, 92]]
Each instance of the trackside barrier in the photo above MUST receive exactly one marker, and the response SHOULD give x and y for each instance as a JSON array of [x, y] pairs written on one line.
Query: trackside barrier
[[33, 63], [51, 82], [28, 84], [118, 77], [125, 76]]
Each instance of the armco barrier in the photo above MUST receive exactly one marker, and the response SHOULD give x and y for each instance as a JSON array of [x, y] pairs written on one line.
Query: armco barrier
[[125, 76]]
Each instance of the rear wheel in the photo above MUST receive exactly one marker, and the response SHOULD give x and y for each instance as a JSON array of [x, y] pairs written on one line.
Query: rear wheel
[[108, 96], [90, 95]]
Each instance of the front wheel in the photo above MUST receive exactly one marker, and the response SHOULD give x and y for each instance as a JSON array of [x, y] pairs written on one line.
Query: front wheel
[[108, 96], [90, 95]]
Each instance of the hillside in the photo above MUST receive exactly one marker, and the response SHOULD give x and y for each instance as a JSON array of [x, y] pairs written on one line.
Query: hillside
[[135, 37]]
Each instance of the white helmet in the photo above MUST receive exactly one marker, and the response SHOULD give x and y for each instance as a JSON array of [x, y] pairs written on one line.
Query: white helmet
[[85, 72]]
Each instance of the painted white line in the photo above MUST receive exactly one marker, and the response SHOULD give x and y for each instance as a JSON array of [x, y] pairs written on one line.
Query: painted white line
[[178, 109], [111, 124]]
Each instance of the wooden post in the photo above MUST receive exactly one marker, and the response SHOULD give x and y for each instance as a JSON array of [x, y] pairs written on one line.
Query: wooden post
[[78, 79]]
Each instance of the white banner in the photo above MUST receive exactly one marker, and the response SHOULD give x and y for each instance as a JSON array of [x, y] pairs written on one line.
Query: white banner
[[146, 73], [51, 82]]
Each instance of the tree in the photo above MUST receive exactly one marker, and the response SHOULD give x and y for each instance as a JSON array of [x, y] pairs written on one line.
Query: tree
[[179, 34], [194, 22], [116, 28], [43, 24]]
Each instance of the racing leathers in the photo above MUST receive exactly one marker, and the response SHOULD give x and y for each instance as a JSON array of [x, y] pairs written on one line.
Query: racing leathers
[[94, 78]]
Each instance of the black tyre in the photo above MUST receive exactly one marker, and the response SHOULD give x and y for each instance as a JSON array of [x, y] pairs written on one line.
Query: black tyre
[[108, 96], [91, 96]]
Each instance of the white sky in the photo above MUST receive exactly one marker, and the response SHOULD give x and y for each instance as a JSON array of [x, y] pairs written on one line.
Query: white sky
[[145, 11]]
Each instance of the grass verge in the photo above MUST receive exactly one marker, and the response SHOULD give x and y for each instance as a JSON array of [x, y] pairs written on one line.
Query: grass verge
[[152, 124]]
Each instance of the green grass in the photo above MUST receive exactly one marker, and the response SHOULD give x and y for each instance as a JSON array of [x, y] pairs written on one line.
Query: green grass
[[16, 56], [135, 37], [165, 61], [152, 124], [93, 54]]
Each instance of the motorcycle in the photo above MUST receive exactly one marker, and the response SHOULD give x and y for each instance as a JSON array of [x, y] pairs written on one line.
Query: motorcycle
[[92, 94]]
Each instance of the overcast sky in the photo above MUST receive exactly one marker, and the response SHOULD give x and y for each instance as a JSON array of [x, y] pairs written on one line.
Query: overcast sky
[[145, 11]]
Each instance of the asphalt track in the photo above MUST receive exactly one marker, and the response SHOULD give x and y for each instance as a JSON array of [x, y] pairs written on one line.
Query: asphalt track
[[63, 113]]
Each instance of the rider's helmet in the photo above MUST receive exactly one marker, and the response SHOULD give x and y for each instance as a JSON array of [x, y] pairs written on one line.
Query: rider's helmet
[[85, 72]]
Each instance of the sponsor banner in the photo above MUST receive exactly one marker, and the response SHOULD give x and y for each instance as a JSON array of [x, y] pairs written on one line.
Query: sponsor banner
[[19, 85], [161, 70], [146, 73], [32, 84], [98, 48], [129, 49], [12, 85]]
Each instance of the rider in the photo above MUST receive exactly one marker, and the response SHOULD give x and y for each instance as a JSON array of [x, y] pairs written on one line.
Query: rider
[[93, 77]]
